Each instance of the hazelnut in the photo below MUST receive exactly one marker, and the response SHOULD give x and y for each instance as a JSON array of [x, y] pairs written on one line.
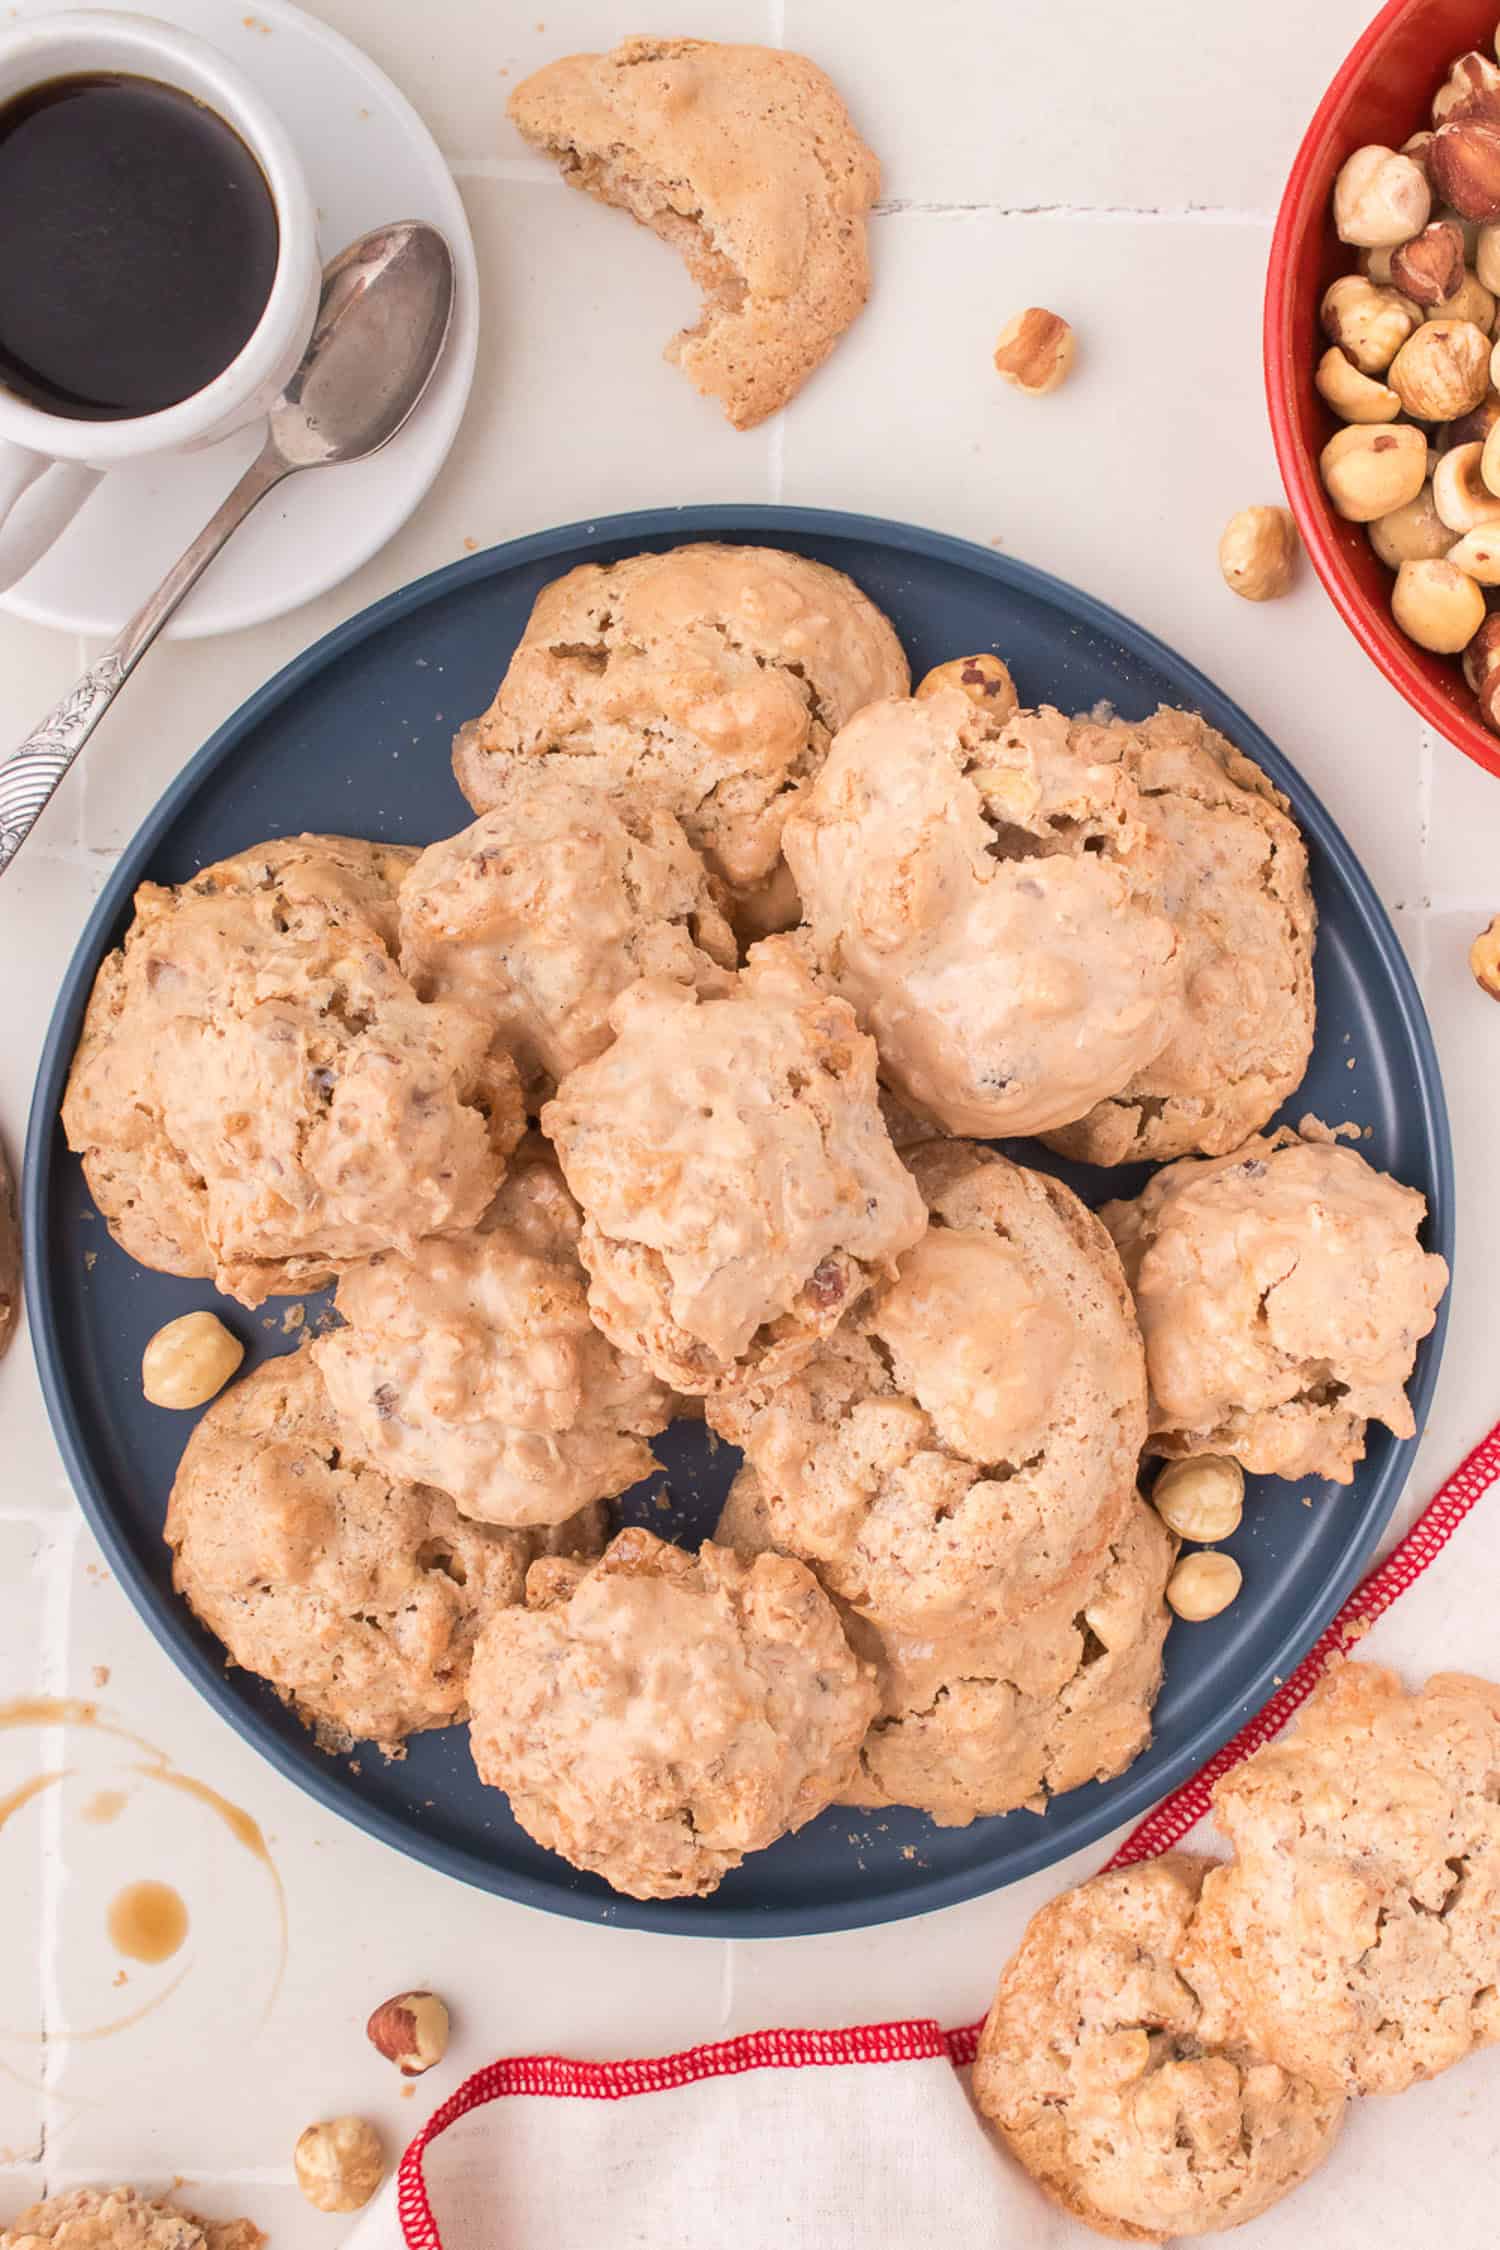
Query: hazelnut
[[1376, 264], [1464, 165], [1437, 606], [1414, 533], [1442, 371], [1484, 959], [1487, 258], [1355, 397], [1035, 351], [1477, 555], [411, 2031], [1489, 463], [1471, 89], [1468, 228], [1380, 197], [1201, 1498], [1475, 426], [983, 679], [1459, 493], [339, 2164], [1482, 656], [1369, 470], [1416, 148], [1258, 551], [1204, 1584], [189, 1361], [1372, 324], [1470, 301], [1429, 268]]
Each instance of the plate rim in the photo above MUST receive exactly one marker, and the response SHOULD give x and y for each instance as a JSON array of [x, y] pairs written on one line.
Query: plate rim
[[172, 1627]]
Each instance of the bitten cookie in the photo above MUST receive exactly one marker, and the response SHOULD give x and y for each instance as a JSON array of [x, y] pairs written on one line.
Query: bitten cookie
[[658, 1715], [541, 913], [1282, 1292], [1098, 2072], [1358, 1928], [980, 891], [259, 1096], [472, 1364], [745, 161], [1231, 876], [357, 1597], [121, 2218], [979, 1721], [738, 1185], [964, 1446], [705, 680]]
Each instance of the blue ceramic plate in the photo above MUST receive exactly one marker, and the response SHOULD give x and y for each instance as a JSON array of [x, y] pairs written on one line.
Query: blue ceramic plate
[[354, 737]]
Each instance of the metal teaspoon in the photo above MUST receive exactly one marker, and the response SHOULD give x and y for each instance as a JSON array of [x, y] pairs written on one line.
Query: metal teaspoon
[[379, 335]]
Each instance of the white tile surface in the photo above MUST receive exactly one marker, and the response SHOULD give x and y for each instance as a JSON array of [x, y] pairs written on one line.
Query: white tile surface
[[1155, 141]]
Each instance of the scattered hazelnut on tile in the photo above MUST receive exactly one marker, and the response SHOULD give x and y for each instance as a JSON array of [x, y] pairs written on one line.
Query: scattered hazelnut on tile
[[1201, 1498], [1411, 534], [1380, 198], [1354, 397], [189, 1361], [985, 680], [1370, 469], [1484, 959], [1471, 89], [1203, 1585], [1464, 166], [1437, 606], [411, 2031], [1442, 371], [339, 2163], [1370, 322], [1430, 268], [1459, 493], [1258, 552], [1035, 351]]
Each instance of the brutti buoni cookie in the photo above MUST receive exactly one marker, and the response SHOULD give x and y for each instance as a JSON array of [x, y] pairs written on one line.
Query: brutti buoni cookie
[[738, 1185], [471, 1363], [657, 1715], [121, 2218], [258, 1094], [980, 892], [745, 161], [707, 680], [358, 1597], [963, 1447], [1100, 2075], [1282, 1291]]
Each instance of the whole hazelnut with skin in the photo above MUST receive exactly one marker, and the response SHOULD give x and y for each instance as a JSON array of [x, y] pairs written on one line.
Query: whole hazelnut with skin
[[1035, 351], [1430, 267], [1471, 89], [411, 2031], [1371, 323], [1464, 164], [1442, 371], [1380, 197], [1475, 426], [1257, 553], [1484, 959], [1482, 656], [1415, 533], [1354, 397], [339, 2164], [1369, 471], [1437, 606]]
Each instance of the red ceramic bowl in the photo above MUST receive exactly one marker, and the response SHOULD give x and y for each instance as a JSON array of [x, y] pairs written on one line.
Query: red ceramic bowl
[[1381, 94]]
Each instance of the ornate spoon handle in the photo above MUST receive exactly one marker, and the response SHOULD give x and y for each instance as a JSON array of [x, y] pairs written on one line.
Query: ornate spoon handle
[[31, 773]]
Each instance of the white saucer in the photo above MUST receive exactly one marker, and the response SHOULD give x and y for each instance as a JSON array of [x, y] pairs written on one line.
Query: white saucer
[[368, 158]]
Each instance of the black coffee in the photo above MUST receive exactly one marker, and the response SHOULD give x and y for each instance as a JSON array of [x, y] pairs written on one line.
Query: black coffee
[[138, 242]]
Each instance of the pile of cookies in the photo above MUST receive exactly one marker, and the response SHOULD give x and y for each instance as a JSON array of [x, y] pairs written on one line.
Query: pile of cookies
[[663, 1090], [1174, 2044]]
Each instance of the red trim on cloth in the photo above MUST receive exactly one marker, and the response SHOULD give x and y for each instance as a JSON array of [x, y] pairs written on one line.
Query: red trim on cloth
[[920, 2039]]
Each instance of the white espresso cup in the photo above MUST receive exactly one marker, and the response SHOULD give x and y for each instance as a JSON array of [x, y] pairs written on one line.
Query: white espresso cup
[[49, 464]]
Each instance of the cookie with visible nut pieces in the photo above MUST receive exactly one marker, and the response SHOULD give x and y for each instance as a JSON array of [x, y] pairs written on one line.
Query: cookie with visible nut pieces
[[122, 2218]]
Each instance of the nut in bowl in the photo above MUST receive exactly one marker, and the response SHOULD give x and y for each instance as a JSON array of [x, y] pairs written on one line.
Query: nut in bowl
[[1361, 274]]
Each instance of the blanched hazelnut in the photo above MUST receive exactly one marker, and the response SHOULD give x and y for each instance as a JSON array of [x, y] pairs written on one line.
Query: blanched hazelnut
[[1484, 959], [1376, 265], [1035, 351], [1477, 555], [1489, 461], [1356, 397], [1463, 164], [1202, 1498], [1411, 534], [1257, 553], [189, 1361], [983, 679], [1436, 606], [1371, 469], [339, 2164], [1471, 89], [1470, 301], [1416, 148], [1202, 1585], [1487, 258], [1459, 492], [411, 2031], [1380, 197], [1372, 324], [1442, 370], [1430, 268]]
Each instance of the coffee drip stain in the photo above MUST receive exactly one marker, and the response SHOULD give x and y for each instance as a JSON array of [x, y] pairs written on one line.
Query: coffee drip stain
[[147, 1922]]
